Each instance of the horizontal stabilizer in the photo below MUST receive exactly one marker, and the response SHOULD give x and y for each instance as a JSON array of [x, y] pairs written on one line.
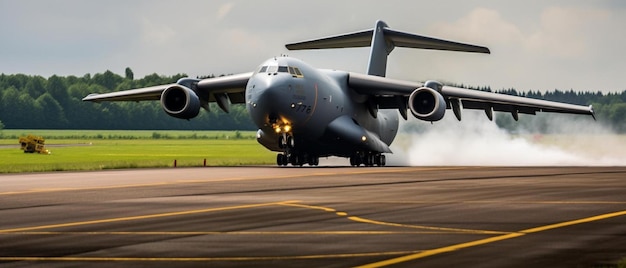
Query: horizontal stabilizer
[[402, 39], [394, 37], [382, 41], [356, 39]]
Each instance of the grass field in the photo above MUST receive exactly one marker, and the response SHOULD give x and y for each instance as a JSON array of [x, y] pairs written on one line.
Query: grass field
[[97, 150]]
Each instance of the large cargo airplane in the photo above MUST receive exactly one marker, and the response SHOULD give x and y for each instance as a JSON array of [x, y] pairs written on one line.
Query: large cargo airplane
[[306, 113]]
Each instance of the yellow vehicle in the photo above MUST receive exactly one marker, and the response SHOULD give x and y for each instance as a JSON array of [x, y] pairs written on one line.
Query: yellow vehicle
[[32, 144]]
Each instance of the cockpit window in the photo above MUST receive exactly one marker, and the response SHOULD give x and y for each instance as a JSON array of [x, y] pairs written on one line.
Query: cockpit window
[[272, 69], [298, 73], [283, 69]]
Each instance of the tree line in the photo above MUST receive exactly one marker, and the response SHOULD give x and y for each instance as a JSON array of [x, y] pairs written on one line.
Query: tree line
[[35, 102]]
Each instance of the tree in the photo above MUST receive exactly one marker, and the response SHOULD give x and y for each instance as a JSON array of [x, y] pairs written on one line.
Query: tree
[[58, 90], [107, 79], [10, 97], [35, 102], [35, 86], [52, 115], [129, 74]]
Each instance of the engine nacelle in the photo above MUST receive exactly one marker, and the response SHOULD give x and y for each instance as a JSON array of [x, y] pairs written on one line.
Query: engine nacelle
[[180, 102], [427, 104]]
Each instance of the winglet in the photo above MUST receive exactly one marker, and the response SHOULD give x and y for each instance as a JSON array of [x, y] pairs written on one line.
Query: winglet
[[593, 113]]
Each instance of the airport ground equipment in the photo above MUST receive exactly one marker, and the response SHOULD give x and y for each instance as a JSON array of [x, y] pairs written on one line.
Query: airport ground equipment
[[33, 144]]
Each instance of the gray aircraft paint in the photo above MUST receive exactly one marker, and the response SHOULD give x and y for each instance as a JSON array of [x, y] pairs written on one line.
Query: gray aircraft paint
[[306, 113]]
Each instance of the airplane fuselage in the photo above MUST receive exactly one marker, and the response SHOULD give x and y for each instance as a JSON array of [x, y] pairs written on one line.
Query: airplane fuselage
[[292, 102], [306, 113]]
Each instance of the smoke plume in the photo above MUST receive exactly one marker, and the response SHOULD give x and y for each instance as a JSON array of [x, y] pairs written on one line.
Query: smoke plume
[[572, 140]]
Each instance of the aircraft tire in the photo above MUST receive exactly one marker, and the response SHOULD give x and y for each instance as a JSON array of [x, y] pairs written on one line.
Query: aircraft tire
[[381, 160], [355, 160], [296, 160], [314, 161], [281, 160], [369, 160]]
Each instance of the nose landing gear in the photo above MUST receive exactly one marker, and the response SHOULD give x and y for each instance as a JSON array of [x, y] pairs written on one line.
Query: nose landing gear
[[291, 155]]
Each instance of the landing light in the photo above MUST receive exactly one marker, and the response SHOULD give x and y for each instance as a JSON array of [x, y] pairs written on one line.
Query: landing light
[[363, 138], [282, 129]]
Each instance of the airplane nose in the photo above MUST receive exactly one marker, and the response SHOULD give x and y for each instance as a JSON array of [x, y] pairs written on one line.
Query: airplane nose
[[265, 102]]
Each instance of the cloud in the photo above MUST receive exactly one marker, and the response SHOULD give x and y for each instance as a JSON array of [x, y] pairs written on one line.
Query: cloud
[[482, 25], [534, 44], [567, 31], [224, 10]]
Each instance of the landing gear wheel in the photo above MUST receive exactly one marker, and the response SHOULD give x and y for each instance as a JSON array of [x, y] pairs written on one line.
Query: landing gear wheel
[[356, 160], [313, 160], [298, 160], [369, 160], [281, 160], [382, 160]]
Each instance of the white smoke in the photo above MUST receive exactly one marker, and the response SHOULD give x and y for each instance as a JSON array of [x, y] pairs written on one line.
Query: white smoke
[[476, 141]]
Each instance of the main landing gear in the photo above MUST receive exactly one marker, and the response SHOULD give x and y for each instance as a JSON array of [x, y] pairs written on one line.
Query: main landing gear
[[368, 159], [291, 155]]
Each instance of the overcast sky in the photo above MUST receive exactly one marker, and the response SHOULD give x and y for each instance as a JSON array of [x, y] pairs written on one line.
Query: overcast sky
[[538, 45]]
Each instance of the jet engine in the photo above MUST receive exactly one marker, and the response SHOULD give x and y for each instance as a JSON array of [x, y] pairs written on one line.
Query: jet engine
[[180, 102], [427, 104]]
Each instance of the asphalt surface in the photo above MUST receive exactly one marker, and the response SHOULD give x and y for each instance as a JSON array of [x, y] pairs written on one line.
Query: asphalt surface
[[315, 217]]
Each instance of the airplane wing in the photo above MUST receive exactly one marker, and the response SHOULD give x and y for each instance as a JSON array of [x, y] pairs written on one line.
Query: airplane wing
[[388, 90], [207, 89]]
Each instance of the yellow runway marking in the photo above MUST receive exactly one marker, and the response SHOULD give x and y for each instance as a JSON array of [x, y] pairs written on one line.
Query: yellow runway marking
[[141, 217], [327, 209], [368, 221], [431, 252], [441, 229], [558, 202]]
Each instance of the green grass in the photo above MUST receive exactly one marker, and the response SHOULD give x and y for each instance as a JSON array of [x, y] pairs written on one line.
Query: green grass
[[127, 134], [137, 150]]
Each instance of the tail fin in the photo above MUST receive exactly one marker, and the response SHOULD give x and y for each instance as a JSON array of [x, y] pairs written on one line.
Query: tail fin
[[382, 41]]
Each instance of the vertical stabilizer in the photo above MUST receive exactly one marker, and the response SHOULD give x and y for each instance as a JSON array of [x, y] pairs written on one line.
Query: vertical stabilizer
[[380, 49]]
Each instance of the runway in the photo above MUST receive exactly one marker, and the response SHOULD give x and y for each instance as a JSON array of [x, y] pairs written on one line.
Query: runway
[[315, 217]]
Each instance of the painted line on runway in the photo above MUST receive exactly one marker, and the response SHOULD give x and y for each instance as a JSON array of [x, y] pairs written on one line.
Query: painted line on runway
[[455, 247], [207, 259], [375, 222], [291, 176], [543, 202], [141, 217], [442, 229]]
